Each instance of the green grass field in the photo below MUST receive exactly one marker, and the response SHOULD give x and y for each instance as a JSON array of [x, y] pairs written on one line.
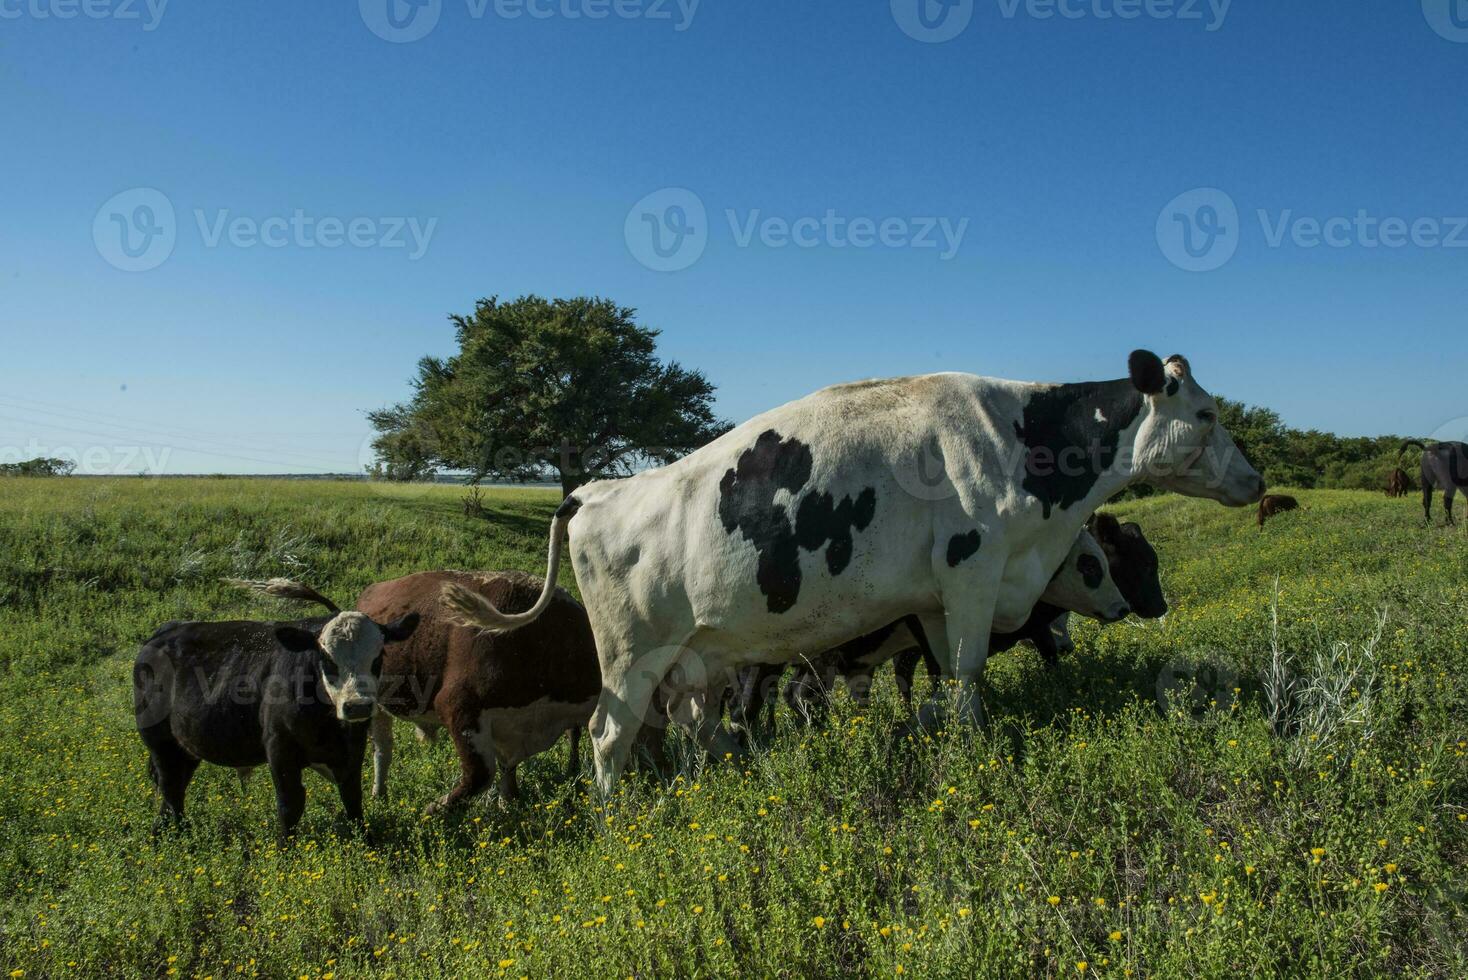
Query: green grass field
[[1089, 830]]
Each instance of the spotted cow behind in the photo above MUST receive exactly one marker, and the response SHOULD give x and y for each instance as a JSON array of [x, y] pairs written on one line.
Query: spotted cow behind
[[1084, 583]]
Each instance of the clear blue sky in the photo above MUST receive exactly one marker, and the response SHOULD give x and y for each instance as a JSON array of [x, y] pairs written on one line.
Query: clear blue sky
[[529, 140]]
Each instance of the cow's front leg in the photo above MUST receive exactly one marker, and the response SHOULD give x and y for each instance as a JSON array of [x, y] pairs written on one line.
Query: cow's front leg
[[348, 779]]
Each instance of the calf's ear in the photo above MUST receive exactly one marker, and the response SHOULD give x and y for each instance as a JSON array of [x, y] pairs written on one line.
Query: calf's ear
[[401, 628], [295, 639], [1104, 527], [1146, 372]]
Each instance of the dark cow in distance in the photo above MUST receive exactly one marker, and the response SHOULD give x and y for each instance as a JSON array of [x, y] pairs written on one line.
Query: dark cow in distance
[[1445, 468], [290, 695], [1275, 503], [1399, 484]]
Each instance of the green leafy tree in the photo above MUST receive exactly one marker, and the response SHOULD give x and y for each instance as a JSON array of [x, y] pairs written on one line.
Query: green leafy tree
[[40, 466], [565, 387]]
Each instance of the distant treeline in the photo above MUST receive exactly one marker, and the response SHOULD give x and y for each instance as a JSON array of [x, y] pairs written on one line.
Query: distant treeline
[[1312, 459], [40, 466]]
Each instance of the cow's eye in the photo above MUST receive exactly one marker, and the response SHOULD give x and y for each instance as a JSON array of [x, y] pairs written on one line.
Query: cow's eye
[[1208, 415]]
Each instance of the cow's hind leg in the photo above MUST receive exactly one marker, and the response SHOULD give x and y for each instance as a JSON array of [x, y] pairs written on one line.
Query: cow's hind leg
[[171, 768], [290, 794], [1426, 500], [627, 690], [1448, 495]]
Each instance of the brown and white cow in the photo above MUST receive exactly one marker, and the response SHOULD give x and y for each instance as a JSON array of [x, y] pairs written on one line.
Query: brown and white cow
[[502, 698]]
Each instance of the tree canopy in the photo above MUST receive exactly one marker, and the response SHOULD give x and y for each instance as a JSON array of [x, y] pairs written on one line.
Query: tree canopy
[[1310, 458], [40, 466], [570, 388]]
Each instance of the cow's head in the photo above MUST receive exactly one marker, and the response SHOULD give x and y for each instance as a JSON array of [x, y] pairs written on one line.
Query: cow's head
[[1133, 564], [350, 650], [1083, 583], [1180, 445]]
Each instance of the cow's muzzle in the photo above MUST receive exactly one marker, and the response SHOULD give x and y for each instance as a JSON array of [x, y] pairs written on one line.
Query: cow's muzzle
[[356, 711]]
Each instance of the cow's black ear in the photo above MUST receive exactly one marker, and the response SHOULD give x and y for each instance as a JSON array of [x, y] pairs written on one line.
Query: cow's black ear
[[1132, 529], [1146, 372], [401, 628], [295, 639], [1105, 527]]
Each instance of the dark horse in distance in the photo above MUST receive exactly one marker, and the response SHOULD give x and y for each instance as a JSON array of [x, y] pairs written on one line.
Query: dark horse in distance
[[1445, 468]]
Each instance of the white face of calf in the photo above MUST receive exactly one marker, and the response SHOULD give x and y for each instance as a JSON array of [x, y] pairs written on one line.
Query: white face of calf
[[351, 645], [349, 649], [1083, 583], [1181, 446]]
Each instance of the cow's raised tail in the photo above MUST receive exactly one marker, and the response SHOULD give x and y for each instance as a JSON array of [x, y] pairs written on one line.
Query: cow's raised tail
[[1410, 442], [473, 609], [283, 588]]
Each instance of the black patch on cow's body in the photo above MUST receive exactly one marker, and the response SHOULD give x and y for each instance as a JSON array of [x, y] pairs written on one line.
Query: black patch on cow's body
[[962, 547], [568, 508], [1068, 447], [747, 504], [819, 519]]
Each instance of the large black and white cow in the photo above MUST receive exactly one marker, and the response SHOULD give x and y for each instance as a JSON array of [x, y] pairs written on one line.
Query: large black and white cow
[[949, 496]]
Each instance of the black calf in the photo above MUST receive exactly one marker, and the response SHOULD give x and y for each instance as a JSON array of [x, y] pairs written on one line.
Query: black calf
[[247, 694]]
